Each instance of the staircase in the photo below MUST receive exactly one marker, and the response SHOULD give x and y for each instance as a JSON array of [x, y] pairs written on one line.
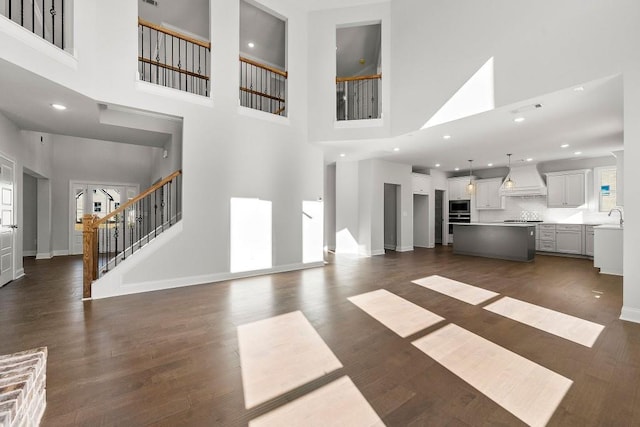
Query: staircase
[[110, 240]]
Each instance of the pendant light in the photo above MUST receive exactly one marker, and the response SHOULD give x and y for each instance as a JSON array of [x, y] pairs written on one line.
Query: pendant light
[[470, 186], [508, 183]]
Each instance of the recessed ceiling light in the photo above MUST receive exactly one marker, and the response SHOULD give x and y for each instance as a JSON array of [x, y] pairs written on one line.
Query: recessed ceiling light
[[529, 159], [251, 45], [456, 169], [446, 137], [577, 153], [437, 165], [578, 89], [396, 149], [519, 119], [489, 164], [342, 154], [564, 145], [59, 107]]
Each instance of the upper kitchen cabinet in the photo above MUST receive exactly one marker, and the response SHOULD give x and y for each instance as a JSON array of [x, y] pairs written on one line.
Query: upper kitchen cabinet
[[421, 183], [458, 188], [488, 194], [567, 189]]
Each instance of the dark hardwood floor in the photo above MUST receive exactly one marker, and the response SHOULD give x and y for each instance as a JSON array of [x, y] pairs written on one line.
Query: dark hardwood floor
[[171, 357]]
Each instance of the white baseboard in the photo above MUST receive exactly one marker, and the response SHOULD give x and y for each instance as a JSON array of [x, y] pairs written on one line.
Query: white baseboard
[[19, 273], [44, 255], [404, 248], [377, 252], [29, 253], [180, 282], [63, 252], [630, 314]]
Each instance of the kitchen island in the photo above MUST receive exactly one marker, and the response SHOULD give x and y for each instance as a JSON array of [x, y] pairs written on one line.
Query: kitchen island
[[510, 241]]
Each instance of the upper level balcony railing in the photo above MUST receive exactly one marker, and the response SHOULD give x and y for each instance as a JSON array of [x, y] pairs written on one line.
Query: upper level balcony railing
[[263, 87], [169, 58], [45, 18], [358, 98]]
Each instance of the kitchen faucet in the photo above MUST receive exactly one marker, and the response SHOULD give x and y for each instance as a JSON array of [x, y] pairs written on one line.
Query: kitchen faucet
[[620, 212]]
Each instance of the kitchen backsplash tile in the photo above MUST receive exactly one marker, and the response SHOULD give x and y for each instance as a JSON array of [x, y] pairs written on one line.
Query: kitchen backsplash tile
[[520, 207]]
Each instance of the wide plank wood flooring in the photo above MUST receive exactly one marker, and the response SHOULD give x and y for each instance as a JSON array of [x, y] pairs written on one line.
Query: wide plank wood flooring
[[171, 358]]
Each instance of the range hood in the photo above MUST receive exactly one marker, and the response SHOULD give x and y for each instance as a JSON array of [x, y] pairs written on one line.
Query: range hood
[[527, 180]]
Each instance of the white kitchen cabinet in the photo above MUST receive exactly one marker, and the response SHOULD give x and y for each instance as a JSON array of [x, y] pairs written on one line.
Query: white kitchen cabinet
[[569, 238], [567, 189], [458, 188], [588, 240], [488, 194], [421, 183], [546, 237], [608, 249]]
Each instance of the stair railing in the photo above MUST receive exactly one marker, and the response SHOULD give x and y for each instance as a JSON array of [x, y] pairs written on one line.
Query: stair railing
[[262, 87], [109, 240], [358, 97], [172, 59]]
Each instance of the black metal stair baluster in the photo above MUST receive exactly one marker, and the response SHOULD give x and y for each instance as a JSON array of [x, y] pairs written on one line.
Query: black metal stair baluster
[[62, 22], [164, 61], [53, 21], [124, 233], [33, 16], [155, 214], [169, 207], [43, 9], [162, 206], [22, 12]]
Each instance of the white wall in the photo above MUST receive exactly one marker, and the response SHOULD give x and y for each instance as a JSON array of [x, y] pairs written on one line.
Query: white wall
[[87, 160], [189, 15], [30, 215], [539, 47]]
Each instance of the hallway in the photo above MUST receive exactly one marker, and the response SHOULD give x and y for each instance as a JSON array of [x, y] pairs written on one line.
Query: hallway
[[172, 357]]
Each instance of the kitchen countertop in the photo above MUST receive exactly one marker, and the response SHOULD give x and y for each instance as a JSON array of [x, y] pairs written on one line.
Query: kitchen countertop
[[500, 224], [609, 227]]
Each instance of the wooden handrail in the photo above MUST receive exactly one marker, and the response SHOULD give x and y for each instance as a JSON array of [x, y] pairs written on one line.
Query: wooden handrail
[[356, 78], [264, 67], [172, 68], [139, 197], [167, 31], [255, 92]]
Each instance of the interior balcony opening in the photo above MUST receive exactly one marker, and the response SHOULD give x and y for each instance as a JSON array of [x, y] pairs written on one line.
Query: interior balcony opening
[[358, 72], [49, 19], [174, 47], [263, 59]]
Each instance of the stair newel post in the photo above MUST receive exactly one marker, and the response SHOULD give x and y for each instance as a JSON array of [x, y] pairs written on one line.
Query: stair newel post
[[89, 253]]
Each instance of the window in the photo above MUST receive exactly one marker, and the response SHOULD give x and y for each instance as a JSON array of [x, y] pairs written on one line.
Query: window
[[358, 72], [605, 182], [263, 47]]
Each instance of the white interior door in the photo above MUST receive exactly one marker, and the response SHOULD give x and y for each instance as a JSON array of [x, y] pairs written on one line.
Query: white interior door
[[7, 221]]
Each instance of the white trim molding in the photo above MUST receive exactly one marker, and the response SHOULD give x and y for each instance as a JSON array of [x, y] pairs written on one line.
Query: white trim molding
[[44, 255], [630, 314]]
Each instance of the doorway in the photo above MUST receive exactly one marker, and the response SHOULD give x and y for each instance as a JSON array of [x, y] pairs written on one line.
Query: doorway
[[98, 199], [439, 216], [391, 216], [421, 220], [7, 221]]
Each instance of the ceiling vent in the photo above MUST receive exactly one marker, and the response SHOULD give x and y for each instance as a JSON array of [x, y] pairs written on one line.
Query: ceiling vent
[[151, 2], [526, 108]]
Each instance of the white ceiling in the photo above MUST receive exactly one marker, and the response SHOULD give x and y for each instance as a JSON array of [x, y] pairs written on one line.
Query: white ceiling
[[26, 101], [354, 44], [266, 31], [590, 121]]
